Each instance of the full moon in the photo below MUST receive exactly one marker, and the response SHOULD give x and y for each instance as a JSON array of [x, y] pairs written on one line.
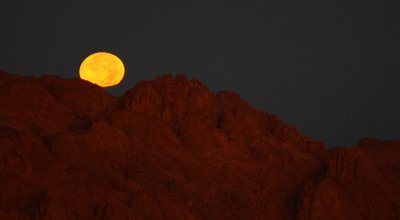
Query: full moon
[[102, 68]]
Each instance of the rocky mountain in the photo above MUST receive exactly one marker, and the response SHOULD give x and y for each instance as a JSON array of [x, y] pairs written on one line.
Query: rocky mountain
[[171, 149]]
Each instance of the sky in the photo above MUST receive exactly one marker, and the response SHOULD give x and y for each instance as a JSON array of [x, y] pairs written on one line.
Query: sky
[[329, 68]]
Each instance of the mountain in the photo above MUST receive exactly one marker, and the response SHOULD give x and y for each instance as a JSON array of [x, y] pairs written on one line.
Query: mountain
[[171, 149]]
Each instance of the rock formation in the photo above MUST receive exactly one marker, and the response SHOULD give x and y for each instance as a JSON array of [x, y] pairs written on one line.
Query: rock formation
[[171, 149]]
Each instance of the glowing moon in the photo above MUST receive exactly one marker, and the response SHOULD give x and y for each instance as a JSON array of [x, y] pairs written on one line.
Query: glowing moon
[[103, 69]]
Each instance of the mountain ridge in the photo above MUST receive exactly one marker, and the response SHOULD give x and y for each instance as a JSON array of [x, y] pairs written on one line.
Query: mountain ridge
[[169, 148]]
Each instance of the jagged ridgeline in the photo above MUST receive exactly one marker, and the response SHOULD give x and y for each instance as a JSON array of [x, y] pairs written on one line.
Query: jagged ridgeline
[[171, 149]]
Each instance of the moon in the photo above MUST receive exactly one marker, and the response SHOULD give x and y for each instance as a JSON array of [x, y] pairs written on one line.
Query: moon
[[102, 68]]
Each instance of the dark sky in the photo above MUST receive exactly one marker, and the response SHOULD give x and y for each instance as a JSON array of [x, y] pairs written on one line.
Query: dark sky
[[330, 68]]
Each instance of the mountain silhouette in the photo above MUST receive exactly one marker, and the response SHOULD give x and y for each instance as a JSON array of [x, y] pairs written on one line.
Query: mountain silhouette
[[171, 149]]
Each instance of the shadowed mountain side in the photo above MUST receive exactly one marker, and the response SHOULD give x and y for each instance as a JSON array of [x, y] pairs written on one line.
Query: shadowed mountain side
[[171, 149]]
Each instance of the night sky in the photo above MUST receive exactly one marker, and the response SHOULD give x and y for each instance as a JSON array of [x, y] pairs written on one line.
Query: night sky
[[330, 68]]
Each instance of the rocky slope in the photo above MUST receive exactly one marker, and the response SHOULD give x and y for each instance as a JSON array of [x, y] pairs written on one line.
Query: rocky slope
[[171, 149]]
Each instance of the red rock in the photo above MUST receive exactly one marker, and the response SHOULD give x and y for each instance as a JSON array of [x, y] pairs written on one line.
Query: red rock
[[171, 149], [356, 184]]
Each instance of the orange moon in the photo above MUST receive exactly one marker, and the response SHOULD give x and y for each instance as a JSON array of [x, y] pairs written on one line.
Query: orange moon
[[102, 68]]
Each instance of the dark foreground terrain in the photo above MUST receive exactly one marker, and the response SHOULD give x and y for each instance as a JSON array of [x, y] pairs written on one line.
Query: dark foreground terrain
[[171, 149]]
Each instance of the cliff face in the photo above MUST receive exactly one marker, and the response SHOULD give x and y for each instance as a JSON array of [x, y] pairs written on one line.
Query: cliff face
[[171, 149]]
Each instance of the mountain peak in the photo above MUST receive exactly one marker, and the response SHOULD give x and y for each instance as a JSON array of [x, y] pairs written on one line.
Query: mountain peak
[[170, 148]]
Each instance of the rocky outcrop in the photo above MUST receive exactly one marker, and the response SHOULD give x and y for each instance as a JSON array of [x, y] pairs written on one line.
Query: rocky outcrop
[[360, 183], [171, 149]]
